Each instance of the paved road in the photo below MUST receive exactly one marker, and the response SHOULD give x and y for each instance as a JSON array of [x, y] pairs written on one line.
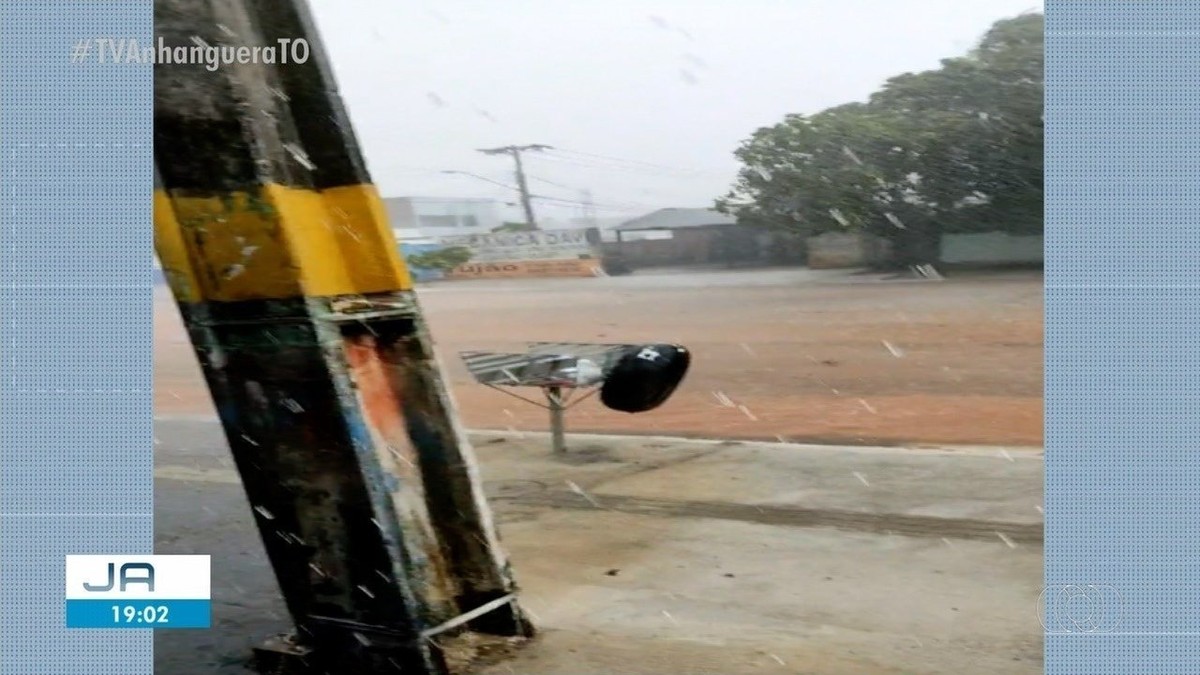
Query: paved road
[[691, 557]]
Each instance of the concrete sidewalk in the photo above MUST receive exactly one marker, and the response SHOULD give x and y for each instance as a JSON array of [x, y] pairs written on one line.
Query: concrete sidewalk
[[651, 555]]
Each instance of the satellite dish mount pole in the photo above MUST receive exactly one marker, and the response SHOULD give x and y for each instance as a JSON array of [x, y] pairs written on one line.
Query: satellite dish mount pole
[[558, 440]]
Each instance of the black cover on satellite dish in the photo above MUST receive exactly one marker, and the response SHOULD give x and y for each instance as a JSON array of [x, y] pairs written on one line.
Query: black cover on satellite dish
[[645, 377]]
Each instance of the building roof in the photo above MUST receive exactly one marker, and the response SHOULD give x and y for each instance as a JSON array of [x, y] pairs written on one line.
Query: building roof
[[676, 219]]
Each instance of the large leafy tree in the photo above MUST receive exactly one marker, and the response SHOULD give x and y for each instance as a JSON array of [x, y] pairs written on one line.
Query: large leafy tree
[[954, 149]]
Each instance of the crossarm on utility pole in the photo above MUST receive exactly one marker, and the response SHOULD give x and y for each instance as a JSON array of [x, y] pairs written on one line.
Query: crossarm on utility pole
[[302, 313]]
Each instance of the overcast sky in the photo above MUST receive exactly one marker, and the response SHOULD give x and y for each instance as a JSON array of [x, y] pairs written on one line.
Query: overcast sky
[[666, 88]]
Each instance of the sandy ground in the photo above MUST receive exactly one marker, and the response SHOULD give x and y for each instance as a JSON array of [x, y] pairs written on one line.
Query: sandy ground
[[800, 355], [689, 557]]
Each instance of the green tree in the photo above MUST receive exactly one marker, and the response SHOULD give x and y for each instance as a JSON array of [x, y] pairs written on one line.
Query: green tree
[[444, 259], [955, 149], [509, 226]]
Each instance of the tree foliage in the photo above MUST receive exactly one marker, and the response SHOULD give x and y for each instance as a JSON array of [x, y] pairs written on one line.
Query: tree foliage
[[956, 149], [444, 259], [510, 226]]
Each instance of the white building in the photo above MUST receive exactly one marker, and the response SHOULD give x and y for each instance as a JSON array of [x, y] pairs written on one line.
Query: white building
[[422, 217]]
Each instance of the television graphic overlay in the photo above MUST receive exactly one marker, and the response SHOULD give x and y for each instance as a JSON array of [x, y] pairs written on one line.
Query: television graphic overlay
[[147, 591]]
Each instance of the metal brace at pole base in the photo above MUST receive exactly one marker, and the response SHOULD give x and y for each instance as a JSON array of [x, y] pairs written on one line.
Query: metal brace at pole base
[[284, 655]]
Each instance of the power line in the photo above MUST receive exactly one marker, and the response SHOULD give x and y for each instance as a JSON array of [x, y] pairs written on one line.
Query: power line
[[482, 178], [632, 162], [619, 159], [576, 202], [560, 201], [550, 182], [627, 169]]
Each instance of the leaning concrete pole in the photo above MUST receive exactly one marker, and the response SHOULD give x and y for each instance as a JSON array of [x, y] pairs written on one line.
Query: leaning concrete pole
[[301, 311]]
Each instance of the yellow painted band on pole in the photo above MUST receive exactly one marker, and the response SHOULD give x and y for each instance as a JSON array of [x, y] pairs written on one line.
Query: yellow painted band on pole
[[279, 242]]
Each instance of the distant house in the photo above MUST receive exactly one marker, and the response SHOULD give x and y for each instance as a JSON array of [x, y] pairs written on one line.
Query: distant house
[[424, 217], [694, 237]]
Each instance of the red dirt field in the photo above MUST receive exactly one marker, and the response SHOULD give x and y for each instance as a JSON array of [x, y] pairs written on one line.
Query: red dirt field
[[791, 354]]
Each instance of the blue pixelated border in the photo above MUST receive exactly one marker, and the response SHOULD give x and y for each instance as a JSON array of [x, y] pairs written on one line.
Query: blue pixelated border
[[1122, 358], [76, 241]]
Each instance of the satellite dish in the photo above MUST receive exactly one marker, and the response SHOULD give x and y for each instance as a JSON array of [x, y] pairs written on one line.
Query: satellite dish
[[645, 377]]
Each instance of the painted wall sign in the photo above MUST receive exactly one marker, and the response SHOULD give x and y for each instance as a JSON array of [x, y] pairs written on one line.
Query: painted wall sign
[[538, 245], [527, 269]]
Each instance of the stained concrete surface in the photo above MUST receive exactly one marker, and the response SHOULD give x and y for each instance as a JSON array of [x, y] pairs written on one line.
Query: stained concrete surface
[[645, 555]]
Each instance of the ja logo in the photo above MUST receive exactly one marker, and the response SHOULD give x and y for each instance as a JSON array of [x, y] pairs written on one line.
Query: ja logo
[[130, 573]]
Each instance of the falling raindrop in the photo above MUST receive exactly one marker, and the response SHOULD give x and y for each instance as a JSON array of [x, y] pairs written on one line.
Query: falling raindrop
[[579, 491], [862, 479], [262, 511], [299, 155], [841, 219]]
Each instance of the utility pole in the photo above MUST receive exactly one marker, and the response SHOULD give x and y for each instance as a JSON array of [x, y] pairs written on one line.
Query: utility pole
[[515, 151], [314, 347], [589, 208]]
